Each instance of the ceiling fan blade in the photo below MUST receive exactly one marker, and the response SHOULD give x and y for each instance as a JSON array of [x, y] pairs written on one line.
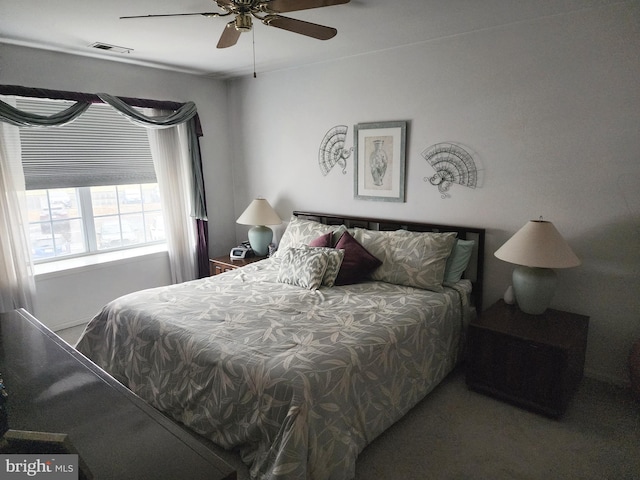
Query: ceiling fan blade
[[282, 6], [299, 26], [205, 14], [230, 36]]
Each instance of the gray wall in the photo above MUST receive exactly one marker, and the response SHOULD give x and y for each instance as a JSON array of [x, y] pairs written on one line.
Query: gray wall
[[549, 108]]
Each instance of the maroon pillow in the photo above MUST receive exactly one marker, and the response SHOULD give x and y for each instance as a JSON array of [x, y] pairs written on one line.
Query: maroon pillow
[[357, 264], [322, 241]]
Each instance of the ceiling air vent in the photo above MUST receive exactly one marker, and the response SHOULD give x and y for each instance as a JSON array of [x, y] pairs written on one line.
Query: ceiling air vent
[[111, 48]]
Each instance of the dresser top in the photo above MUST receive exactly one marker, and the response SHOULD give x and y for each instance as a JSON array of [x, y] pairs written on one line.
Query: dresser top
[[53, 388]]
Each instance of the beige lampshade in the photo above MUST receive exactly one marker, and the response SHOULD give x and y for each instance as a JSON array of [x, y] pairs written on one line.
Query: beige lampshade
[[259, 212], [538, 244]]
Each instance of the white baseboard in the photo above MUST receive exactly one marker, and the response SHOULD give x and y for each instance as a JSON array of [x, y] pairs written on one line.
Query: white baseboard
[[70, 324]]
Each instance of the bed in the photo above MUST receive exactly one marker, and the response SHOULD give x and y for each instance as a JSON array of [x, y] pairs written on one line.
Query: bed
[[301, 360]]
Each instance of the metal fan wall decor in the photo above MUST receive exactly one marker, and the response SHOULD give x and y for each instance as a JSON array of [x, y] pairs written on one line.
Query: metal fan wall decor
[[453, 165], [266, 11], [332, 150]]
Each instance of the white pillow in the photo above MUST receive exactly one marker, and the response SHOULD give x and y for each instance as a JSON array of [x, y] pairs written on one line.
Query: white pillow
[[413, 259], [300, 232]]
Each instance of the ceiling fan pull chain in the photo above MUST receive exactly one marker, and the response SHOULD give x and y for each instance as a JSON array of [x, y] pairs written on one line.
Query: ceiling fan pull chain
[[253, 33]]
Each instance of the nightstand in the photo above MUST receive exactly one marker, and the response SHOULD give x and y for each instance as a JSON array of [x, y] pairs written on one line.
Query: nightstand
[[534, 361], [225, 263]]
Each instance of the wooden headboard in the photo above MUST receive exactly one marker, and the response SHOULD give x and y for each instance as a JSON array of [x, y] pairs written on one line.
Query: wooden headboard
[[475, 270]]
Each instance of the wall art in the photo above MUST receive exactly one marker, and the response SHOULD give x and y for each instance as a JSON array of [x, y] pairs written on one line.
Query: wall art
[[332, 150], [380, 161], [453, 164]]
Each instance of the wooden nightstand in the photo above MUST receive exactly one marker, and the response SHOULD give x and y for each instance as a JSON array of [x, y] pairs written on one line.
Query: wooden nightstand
[[224, 263], [535, 361]]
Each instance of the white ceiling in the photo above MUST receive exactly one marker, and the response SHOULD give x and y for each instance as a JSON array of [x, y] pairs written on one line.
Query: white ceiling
[[189, 43]]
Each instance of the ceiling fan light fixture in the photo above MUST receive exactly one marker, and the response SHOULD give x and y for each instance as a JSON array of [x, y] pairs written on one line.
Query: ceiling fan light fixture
[[243, 22]]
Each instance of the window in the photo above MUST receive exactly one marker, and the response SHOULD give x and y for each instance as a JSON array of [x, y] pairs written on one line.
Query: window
[[85, 220], [91, 185]]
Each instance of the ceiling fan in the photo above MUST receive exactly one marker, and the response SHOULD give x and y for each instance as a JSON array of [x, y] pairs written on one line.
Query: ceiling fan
[[268, 12]]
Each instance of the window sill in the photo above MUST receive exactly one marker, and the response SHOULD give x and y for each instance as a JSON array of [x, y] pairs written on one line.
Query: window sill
[[91, 261]]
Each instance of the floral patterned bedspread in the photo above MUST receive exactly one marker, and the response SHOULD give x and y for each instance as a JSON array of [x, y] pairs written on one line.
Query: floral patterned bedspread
[[298, 381]]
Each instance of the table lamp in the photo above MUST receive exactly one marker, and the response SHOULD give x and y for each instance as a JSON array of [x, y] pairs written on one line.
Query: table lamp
[[536, 248], [259, 213]]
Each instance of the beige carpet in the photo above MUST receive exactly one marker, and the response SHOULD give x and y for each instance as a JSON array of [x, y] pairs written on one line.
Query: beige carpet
[[459, 434], [455, 433]]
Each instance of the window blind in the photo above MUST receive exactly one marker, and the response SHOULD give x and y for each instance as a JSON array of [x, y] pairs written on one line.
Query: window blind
[[100, 147]]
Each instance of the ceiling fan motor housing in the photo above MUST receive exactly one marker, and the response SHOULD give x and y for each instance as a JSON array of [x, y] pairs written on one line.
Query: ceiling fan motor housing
[[243, 22]]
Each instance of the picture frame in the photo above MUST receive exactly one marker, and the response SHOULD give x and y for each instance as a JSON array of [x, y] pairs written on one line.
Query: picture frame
[[380, 150]]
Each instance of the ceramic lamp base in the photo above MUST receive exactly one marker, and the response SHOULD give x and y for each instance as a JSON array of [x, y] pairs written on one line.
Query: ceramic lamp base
[[534, 288], [259, 238]]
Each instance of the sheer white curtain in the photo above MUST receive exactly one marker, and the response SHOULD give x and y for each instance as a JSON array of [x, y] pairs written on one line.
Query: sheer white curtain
[[172, 162], [17, 285]]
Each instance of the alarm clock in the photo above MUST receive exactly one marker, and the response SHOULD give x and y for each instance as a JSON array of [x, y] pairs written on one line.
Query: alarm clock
[[240, 252]]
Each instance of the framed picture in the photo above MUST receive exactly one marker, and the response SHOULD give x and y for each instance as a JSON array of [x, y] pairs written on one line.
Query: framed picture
[[379, 172]]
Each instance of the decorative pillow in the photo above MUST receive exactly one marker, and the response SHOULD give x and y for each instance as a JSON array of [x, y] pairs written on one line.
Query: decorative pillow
[[458, 260], [300, 232], [413, 259], [325, 240], [303, 267], [357, 264], [334, 262]]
